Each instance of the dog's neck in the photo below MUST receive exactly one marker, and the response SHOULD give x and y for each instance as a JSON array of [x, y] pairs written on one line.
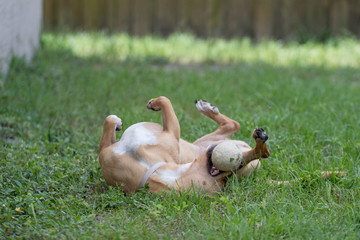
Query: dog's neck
[[199, 178]]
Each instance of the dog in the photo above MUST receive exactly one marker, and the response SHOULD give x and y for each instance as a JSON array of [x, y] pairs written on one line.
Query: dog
[[154, 155]]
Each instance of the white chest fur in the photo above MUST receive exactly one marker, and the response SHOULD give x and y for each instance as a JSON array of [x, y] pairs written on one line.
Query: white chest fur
[[135, 136], [169, 176]]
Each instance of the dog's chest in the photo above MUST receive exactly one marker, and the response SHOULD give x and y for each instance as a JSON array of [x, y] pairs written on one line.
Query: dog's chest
[[135, 136]]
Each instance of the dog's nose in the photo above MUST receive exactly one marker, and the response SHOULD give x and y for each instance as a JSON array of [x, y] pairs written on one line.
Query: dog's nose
[[196, 101]]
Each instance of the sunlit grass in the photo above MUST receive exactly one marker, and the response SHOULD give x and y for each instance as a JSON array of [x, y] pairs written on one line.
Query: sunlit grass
[[186, 49]]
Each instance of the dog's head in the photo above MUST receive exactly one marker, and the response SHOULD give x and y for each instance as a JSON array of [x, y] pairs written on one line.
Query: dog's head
[[212, 170], [218, 173]]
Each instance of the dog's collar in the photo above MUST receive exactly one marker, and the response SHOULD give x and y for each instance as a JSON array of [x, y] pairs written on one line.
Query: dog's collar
[[150, 171]]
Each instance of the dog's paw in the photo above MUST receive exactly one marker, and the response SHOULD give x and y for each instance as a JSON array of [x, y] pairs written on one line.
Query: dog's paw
[[204, 106], [260, 134], [117, 120], [156, 104], [153, 105]]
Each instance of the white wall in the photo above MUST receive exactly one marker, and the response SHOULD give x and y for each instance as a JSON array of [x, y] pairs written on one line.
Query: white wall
[[20, 25]]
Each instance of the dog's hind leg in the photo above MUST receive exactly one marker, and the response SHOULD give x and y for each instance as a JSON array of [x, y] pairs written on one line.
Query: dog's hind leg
[[226, 128], [170, 121], [111, 124]]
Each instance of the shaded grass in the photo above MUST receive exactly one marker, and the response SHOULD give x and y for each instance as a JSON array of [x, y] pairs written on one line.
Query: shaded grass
[[305, 96]]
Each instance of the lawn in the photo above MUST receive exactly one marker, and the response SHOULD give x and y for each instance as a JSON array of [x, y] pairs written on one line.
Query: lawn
[[307, 97]]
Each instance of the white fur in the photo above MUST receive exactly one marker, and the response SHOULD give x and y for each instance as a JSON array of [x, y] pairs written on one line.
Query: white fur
[[118, 121], [206, 106], [135, 136], [144, 163], [169, 176]]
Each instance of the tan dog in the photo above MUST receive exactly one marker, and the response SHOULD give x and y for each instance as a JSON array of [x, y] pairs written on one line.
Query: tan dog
[[156, 155]]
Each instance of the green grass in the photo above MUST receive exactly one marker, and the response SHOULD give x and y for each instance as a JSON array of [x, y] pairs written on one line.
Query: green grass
[[305, 96]]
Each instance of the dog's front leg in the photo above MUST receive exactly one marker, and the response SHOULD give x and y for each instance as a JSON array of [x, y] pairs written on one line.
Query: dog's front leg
[[170, 121], [261, 150]]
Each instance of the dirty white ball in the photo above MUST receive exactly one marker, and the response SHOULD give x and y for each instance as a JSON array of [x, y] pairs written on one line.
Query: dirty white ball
[[227, 156]]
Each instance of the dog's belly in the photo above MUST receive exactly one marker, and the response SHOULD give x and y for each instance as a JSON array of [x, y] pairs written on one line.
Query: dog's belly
[[139, 134], [147, 145]]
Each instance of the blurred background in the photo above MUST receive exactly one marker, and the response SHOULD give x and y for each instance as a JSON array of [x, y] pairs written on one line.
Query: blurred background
[[21, 21], [276, 19]]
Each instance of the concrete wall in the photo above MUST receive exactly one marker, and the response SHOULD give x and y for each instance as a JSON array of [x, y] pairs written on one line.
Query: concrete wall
[[20, 25]]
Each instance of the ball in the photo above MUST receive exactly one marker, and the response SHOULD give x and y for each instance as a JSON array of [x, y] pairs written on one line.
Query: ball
[[227, 156]]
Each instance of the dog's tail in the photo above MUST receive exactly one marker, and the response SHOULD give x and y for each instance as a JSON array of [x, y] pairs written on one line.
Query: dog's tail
[[324, 175], [111, 124]]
